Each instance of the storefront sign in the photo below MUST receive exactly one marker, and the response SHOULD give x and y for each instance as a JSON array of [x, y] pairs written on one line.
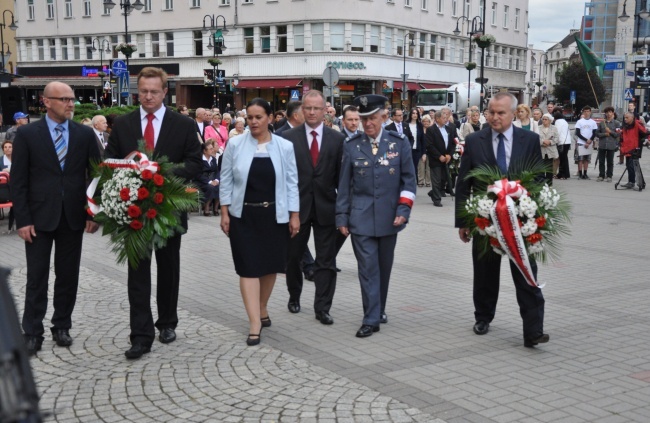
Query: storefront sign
[[346, 65]]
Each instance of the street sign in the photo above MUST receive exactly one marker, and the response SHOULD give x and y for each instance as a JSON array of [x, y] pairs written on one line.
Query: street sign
[[124, 84], [331, 91], [614, 66], [107, 85], [119, 67], [295, 95], [614, 58], [573, 96], [629, 94], [330, 76]]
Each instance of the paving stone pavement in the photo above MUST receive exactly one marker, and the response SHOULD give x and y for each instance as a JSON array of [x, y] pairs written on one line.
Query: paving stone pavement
[[424, 365]]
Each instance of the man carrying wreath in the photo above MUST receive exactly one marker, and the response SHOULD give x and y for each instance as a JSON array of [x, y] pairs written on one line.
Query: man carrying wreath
[[173, 135], [503, 145]]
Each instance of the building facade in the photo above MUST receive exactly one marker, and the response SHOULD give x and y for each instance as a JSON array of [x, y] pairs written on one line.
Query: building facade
[[275, 49]]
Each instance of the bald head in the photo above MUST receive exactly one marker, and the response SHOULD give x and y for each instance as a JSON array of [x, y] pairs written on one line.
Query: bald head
[[59, 101], [200, 114]]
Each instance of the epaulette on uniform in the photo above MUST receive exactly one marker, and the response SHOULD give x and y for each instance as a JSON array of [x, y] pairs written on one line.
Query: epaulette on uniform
[[355, 136]]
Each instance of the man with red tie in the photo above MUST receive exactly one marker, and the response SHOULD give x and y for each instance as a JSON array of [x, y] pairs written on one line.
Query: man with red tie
[[166, 134], [318, 152]]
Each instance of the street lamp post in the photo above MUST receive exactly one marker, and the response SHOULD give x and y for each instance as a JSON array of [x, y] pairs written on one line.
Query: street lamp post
[[404, 75], [475, 28], [100, 47], [13, 27], [216, 35], [127, 6]]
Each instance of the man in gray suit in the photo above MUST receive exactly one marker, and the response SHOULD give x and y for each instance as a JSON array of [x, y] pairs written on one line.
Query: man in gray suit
[[99, 127], [376, 192]]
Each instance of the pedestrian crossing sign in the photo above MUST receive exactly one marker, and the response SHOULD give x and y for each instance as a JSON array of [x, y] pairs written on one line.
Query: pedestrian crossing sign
[[295, 95], [629, 94]]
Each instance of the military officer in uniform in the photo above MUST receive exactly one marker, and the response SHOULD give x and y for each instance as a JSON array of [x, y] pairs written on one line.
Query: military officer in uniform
[[377, 187]]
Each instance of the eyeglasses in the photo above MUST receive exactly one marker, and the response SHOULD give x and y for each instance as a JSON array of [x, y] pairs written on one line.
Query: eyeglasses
[[313, 109], [62, 99]]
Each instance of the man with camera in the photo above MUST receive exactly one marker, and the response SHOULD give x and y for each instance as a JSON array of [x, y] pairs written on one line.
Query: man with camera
[[632, 139]]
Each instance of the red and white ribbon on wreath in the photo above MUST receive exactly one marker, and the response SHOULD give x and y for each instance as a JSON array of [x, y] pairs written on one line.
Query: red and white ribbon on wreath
[[128, 162], [504, 217]]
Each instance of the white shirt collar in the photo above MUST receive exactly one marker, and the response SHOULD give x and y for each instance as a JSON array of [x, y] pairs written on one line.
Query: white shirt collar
[[158, 113]]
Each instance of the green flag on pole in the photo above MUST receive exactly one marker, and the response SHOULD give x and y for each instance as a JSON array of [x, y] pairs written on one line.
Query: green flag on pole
[[589, 58]]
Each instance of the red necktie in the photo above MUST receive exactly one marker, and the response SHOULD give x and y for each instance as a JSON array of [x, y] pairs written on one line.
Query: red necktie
[[148, 132], [314, 148]]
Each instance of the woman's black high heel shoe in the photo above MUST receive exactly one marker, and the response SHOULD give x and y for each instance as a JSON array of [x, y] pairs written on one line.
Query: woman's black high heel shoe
[[253, 339], [266, 322]]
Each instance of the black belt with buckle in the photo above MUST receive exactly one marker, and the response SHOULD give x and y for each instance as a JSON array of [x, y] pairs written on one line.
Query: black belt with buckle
[[264, 204]]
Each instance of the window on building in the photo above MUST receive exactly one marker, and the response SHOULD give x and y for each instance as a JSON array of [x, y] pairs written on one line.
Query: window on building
[[106, 11], [534, 76], [28, 48], [141, 45], [147, 6], [506, 11], [68, 8], [89, 47], [461, 53], [52, 44], [494, 13], [155, 44], [374, 39], [64, 49], [517, 14], [495, 60], [299, 38], [248, 1], [432, 47], [197, 36], [423, 45], [225, 3], [41, 49], [87, 8], [337, 36], [407, 3], [169, 39], [169, 5], [50, 9], [468, 4], [249, 42], [440, 6], [452, 51], [265, 39], [454, 7], [388, 41], [30, 10], [76, 50], [317, 37], [481, 6], [517, 63], [441, 54], [358, 37], [195, 3], [399, 41], [113, 44], [282, 38], [425, 4]]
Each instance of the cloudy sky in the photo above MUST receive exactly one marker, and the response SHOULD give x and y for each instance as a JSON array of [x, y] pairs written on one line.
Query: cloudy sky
[[550, 20]]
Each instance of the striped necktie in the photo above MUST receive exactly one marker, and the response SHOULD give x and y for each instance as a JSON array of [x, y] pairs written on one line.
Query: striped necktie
[[60, 144]]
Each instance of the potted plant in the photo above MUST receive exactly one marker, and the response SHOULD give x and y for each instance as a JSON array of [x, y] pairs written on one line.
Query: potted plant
[[213, 61], [484, 41], [470, 65], [126, 49]]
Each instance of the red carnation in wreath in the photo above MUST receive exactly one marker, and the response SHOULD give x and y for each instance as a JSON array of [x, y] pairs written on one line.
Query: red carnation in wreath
[[143, 193], [158, 197], [136, 225], [151, 213], [133, 211], [125, 194], [146, 174], [158, 179]]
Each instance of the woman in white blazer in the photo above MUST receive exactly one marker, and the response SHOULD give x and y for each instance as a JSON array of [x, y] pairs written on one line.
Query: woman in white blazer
[[523, 119]]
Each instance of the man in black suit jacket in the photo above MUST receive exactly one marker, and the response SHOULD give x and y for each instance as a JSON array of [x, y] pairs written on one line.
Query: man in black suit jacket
[[50, 165], [294, 118], [398, 125], [174, 136], [440, 145], [99, 127], [317, 183], [521, 149]]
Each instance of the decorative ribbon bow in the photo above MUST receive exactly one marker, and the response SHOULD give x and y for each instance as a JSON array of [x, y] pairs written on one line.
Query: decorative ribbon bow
[[504, 216], [128, 162]]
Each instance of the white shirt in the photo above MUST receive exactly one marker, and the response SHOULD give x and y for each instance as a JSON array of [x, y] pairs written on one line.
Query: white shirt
[[508, 133], [156, 122], [445, 134], [100, 136], [414, 131], [310, 137], [587, 128]]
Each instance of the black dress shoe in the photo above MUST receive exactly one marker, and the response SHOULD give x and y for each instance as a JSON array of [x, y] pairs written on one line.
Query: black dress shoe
[[33, 344], [294, 307], [383, 318], [324, 317], [137, 351], [481, 327], [309, 275], [167, 335], [366, 330], [430, 194], [61, 337], [531, 342], [437, 204], [266, 322]]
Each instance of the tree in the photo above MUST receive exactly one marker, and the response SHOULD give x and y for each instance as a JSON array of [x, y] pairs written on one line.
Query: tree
[[574, 77]]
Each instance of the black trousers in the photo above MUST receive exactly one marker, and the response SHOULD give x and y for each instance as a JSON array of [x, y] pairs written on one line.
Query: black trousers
[[139, 286], [563, 170], [487, 271], [438, 177], [325, 237], [605, 157], [67, 257]]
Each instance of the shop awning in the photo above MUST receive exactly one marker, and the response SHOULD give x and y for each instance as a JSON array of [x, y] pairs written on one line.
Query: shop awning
[[428, 86], [412, 86], [268, 83]]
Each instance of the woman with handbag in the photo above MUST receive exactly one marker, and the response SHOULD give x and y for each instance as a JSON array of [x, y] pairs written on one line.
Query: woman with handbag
[[563, 145], [548, 139]]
